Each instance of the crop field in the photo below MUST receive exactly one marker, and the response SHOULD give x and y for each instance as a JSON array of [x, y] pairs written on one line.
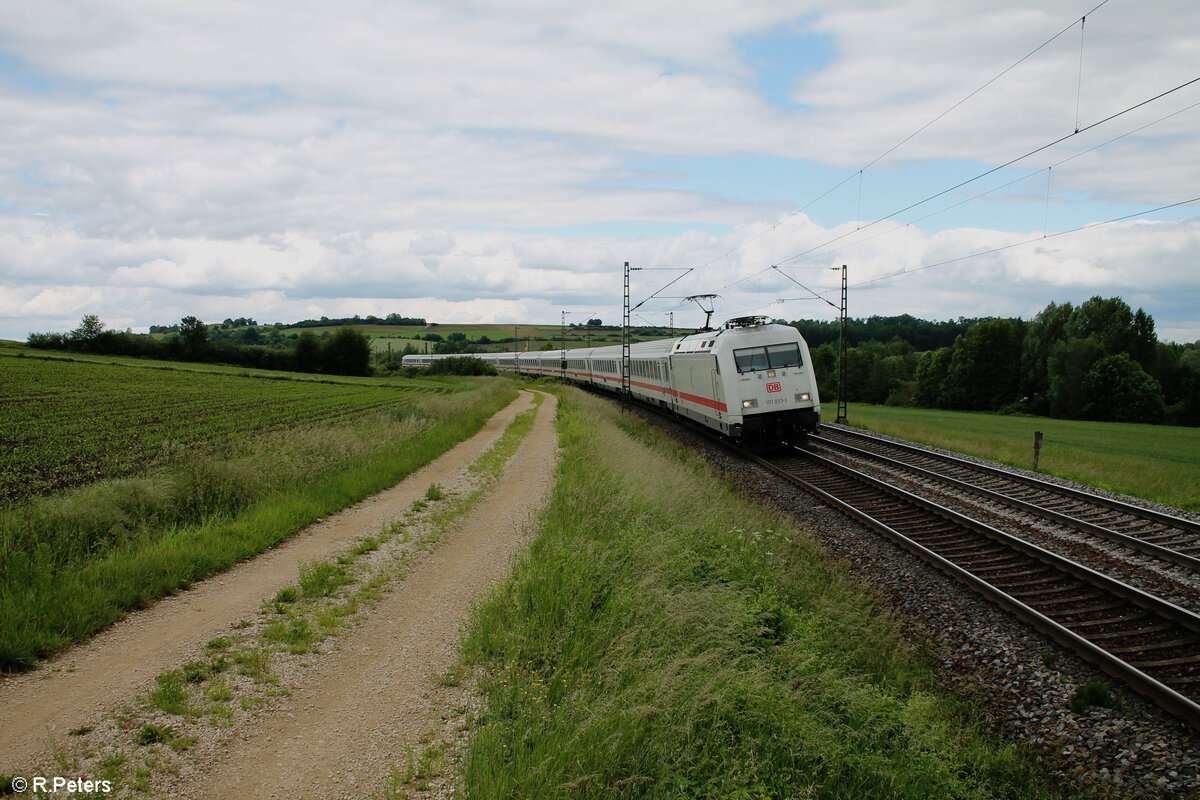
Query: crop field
[[123, 482], [1155, 462], [68, 423]]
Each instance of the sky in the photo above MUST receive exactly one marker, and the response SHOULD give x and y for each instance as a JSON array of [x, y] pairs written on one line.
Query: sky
[[500, 162]]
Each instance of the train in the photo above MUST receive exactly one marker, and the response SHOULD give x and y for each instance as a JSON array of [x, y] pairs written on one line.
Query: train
[[751, 380]]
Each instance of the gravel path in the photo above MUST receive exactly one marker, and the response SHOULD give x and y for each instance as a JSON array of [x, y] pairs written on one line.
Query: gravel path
[[352, 712], [361, 710]]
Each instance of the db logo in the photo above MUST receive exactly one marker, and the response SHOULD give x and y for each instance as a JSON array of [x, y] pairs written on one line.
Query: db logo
[[774, 386]]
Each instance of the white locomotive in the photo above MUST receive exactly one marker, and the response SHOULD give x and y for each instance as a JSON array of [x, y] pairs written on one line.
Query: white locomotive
[[750, 379]]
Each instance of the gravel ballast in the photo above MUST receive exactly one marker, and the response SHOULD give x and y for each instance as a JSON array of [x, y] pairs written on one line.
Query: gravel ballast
[[1020, 681]]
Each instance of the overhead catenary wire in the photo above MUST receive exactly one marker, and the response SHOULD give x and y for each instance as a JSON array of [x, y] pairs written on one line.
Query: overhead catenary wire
[[918, 132], [1025, 177], [997, 168], [1011, 245], [980, 254], [686, 270]]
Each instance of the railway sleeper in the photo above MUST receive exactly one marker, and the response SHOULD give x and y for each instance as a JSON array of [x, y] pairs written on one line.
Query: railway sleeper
[[997, 562], [1091, 594], [1150, 647], [894, 510], [950, 535], [1167, 535], [1097, 623], [1023, 573], [969, 553], [1002, 567], [1070, 589], [1185, 681], [1034, 580], [936, 531], [1130, 633], [1169, 644], [1139, 527], [1097, 609], [1182, 661]]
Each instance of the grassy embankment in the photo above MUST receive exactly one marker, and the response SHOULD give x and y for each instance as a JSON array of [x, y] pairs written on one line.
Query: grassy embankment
[[1155, 462], [72, 563], [664, 638]]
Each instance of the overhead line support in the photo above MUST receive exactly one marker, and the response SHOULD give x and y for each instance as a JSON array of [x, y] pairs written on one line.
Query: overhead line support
[[842, 359]]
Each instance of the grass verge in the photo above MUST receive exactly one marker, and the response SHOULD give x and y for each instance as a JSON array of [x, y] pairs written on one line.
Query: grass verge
[[73, 564], [663, 638], [1154, 462]]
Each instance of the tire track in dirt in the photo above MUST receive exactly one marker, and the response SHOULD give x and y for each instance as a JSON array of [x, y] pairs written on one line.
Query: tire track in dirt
[[112, 668], [360, 709]]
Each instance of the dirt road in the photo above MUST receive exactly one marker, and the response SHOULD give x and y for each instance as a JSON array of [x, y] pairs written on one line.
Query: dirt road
[[359, 708]]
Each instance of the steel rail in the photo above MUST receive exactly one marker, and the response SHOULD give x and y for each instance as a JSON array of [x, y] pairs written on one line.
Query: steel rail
[[1150, 548], [1132, 510], [1141, 682]]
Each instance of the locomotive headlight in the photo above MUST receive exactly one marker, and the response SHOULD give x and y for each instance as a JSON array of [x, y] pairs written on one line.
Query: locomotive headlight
[[803, 397], [749, 404]]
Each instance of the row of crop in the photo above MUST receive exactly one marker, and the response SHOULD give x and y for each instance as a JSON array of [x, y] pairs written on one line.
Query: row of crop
[[65, 424]]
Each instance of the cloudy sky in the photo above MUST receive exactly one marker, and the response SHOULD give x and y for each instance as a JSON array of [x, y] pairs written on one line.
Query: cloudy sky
[[499, 162]]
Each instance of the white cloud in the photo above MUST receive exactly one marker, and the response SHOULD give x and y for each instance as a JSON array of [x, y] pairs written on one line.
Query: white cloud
[[282, 160]]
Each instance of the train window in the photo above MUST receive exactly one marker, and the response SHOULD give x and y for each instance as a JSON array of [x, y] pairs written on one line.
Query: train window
[[750, 359], [783, 355]]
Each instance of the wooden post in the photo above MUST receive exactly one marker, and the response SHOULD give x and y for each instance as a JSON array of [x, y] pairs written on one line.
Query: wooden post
[[1037, 448]]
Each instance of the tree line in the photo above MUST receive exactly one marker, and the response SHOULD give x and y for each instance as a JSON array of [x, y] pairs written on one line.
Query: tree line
[[1099, 360], [370, 319], [343, 352]]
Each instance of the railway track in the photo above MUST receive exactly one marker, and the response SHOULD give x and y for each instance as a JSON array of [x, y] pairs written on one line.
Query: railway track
[[1163, 536], [1149, 643]]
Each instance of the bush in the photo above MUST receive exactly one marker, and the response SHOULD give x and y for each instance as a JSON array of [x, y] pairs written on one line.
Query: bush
[[1092, 693], [347, 352]]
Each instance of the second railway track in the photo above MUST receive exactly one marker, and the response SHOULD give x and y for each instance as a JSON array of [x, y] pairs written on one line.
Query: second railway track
[[1163, 536], [1151, 644]]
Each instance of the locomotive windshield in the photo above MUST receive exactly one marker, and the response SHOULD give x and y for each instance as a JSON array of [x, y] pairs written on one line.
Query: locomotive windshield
[[773, 356]]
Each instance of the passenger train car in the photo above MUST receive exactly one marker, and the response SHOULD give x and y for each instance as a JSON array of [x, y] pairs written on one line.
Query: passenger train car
[[752, 380]]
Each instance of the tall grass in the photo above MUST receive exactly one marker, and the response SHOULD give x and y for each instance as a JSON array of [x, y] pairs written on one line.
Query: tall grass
[[72, 564], [663, 638], [1155, 462]]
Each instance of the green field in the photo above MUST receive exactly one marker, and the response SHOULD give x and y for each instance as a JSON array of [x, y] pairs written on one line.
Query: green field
[[67, 423], [665, 637], [1155, 462], [153, 478], [531, 337]]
